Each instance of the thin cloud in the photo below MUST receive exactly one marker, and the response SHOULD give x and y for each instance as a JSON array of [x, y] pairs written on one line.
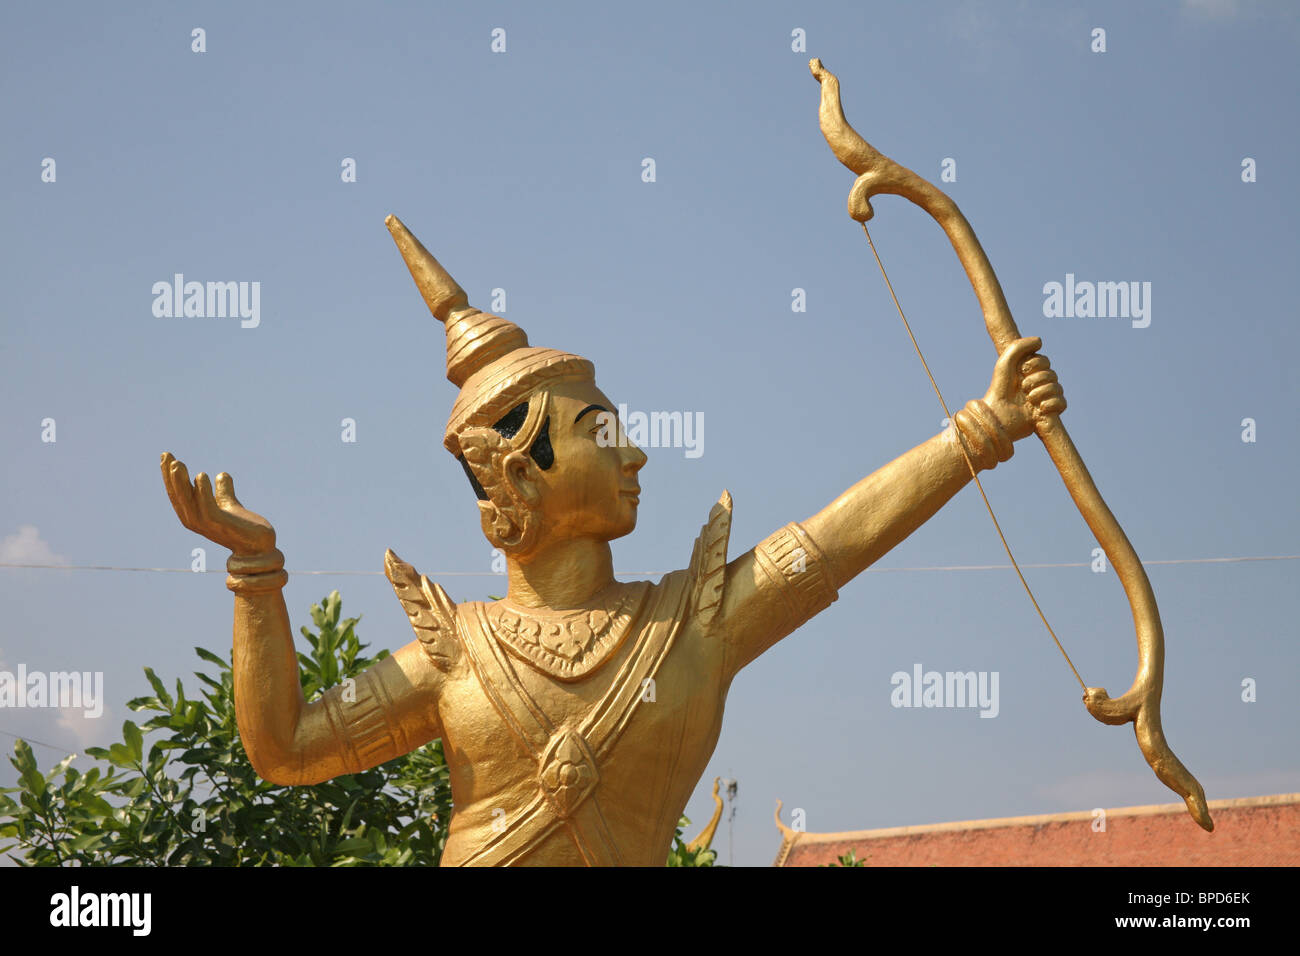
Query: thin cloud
[[28, 547], [75, 726]]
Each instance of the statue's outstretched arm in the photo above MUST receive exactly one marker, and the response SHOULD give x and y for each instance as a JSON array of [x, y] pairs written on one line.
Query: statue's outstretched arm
[[868, 520], [797, 572], [386, 712]]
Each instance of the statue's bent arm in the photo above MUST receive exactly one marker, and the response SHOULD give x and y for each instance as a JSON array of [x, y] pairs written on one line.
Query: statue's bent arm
[[389, 710]]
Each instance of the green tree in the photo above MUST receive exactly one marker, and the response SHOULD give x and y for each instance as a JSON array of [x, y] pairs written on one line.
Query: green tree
[[194, 799]]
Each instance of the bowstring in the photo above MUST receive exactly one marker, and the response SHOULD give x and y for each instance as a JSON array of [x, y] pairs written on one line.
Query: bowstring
[[961, 440]]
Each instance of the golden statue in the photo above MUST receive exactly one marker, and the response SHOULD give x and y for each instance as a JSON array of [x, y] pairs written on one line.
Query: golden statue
[[578, 713]]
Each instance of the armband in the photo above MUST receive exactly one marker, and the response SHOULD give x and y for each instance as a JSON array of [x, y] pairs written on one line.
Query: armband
[[799, 570]]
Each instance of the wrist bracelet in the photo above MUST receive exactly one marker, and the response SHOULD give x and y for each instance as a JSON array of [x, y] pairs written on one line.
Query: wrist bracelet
[[254, 583], [251, 573], [981, 435], [262, 563]]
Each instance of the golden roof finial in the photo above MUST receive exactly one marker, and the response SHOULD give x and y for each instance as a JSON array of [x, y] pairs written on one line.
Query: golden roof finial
[[705, 839]]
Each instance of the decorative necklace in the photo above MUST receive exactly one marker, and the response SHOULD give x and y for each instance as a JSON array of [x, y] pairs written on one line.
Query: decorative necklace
[[570, 644]]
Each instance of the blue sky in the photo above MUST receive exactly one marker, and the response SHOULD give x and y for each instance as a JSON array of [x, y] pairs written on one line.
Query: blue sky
[[522, 171]]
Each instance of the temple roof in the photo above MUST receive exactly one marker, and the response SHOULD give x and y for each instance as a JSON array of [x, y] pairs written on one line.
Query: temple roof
[[1249, 831]]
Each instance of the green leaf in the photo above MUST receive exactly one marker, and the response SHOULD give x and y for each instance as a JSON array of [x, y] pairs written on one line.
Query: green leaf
[[97, 806], [211, 658], [134, 740], [354, 846], [159, 687], [86, 841], [33, 781], [23, 758], [120, 756], [63, 766]]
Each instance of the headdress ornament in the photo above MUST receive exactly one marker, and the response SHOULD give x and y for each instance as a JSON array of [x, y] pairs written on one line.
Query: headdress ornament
[[488, 357]]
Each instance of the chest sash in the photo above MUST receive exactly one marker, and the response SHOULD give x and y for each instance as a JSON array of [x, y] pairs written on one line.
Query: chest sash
[[568, 757]]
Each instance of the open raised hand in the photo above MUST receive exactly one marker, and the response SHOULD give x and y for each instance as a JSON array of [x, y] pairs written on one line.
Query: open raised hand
[[220, 518]]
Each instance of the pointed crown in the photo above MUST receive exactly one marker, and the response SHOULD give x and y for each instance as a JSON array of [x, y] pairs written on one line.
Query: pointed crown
[[488, 357]]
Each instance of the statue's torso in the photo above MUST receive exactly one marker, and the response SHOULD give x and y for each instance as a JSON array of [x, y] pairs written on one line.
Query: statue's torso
[[649, 746]]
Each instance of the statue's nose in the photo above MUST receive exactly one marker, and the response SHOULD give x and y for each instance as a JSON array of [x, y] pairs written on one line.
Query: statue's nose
[[634, 459]]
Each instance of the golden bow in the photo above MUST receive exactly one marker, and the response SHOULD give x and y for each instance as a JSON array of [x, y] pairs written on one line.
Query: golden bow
[[878, 173]]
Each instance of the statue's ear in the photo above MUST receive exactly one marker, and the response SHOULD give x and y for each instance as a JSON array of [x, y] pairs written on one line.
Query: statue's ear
[[521, 475]]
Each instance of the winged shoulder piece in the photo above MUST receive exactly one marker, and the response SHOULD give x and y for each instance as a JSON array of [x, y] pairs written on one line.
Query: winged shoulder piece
[[431, 612], [709, 561]]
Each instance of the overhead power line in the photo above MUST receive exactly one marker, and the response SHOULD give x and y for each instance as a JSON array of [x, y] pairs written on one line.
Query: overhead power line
[[498, 574]]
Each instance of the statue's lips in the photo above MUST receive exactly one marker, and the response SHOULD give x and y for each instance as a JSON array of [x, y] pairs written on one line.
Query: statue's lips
[[634, 494]]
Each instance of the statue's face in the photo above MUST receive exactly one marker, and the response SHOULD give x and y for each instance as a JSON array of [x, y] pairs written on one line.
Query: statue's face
[[591, 491]]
